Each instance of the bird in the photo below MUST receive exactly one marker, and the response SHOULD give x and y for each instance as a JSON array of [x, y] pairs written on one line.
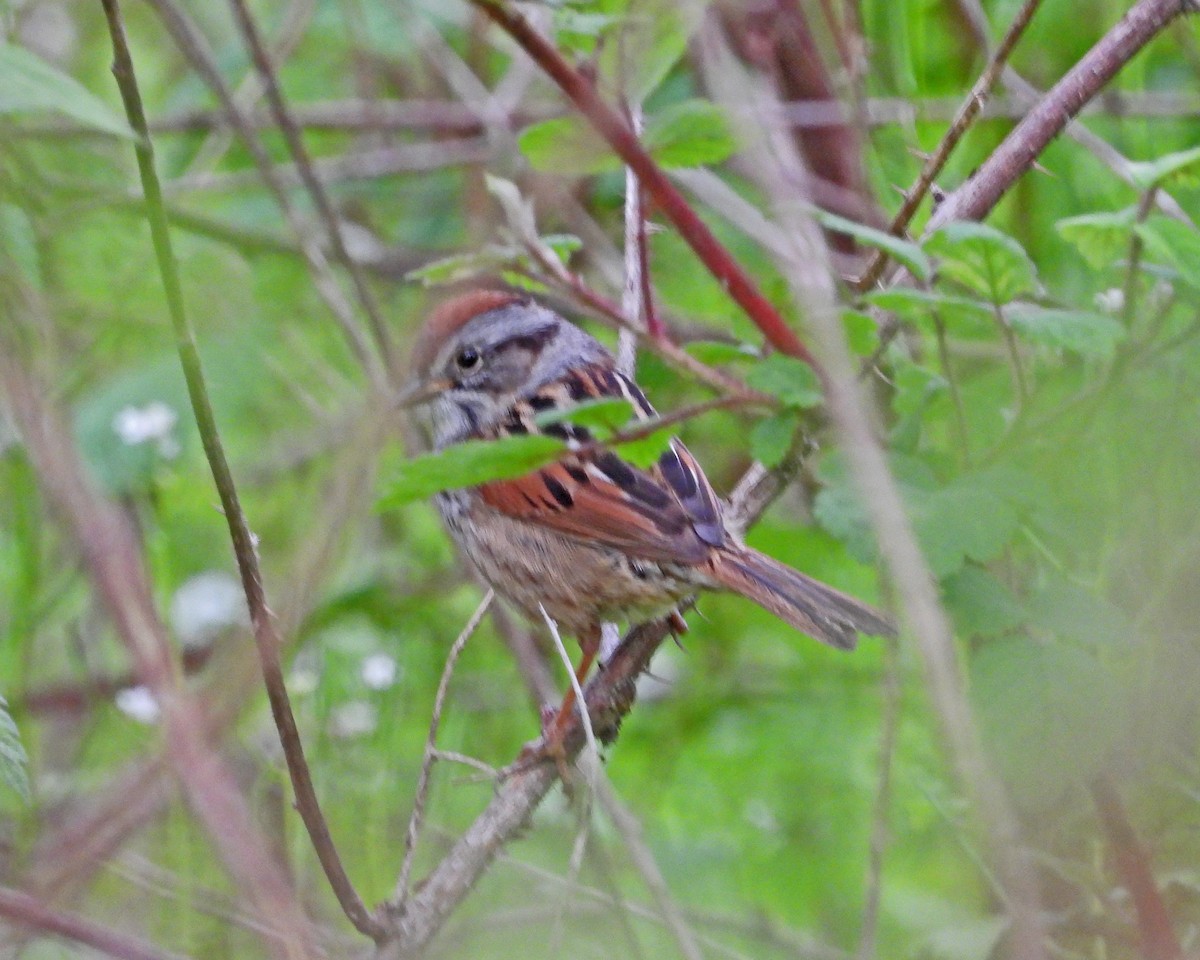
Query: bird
[[590, 538]]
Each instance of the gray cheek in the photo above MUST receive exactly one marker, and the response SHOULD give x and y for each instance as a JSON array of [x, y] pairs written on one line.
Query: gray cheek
[[454, 420]]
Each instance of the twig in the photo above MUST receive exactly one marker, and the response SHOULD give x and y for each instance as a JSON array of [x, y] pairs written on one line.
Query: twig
[[607, 698], [869, 928], [609, 123], [295, 143], [808, 270], [631, 833], [633, 302], [589, 735], [1155, 929], [975, 198], [195, 48], [22, 910], [451, 756], [958, 127], [266, 637], [1136, 247], [431, 753]]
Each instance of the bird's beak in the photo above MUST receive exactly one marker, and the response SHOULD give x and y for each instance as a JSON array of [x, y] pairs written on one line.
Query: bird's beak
[[419, 392]]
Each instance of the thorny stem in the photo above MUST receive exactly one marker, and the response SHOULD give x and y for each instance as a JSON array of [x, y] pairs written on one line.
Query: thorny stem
[[966, 115], [612, 126], [266, 637]]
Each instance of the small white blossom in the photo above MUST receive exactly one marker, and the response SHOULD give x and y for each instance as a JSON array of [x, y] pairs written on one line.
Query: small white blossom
[[354, 719], [138, 703], [378, 671], [152, 423], [1111, 300], [207, 605]]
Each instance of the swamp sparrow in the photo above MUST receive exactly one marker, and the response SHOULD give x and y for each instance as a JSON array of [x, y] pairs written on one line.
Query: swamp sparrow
[[589, 538]]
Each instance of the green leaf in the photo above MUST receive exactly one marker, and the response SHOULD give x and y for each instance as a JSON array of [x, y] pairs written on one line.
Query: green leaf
[[1049, 712], [1175, 243], [791, 380], [716, 352], [984, 260], [13, 759], [980, 604], [772, 437], [568, 146], [645, 451], [903, 251], [604, 417], [1080, 331], [1099, 237], [690, 134], [18, 245], [1179, 170], [962, 316], [30, 85], [651, 38], [862, 332], [468, 465]]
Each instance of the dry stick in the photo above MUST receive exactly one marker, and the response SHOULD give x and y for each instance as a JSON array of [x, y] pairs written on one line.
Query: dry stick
[[631, 833], [976, 198], [22, 910], [195, 48], [962, 122], [431, 752], [612, 126], [1134, 867], [809, 271], [1027, 94], [633, 302], [869, 929], [589, 735], [316, 190], [266, 638]]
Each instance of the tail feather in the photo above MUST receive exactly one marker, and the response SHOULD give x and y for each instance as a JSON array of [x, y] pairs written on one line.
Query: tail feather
[[808, 605]]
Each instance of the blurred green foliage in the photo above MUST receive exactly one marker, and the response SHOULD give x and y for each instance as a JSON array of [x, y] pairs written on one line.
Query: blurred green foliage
[[1041, 403]]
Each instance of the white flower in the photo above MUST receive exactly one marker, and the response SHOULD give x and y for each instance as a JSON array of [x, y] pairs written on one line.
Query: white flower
[[138, 703], [207, 605], [152, 423], [378, 671], [354, 719]]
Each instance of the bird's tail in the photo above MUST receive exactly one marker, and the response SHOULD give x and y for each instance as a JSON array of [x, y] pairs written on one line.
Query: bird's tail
[[808, 605]]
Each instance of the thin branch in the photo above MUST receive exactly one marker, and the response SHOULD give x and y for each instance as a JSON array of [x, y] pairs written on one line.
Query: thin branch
[[612, 126], [1136, 248], [630, 829], [196, 50], [976, 198], [809, 272], [431, 753], [22, 910], [1155, 929], [316, 190], [589, 735], [966, 115], [266, 637], [633, 303]]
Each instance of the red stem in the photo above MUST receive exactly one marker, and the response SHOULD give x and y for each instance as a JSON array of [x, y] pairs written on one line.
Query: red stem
[[610, 124]]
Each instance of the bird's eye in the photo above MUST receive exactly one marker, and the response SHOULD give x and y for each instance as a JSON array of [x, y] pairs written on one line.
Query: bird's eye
[[467, 359]]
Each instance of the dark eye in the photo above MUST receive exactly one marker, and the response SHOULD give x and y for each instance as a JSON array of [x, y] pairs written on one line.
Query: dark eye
[[467, 359]]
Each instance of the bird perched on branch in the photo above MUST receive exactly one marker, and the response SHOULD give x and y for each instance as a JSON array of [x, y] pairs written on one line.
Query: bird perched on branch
[[589, 539]]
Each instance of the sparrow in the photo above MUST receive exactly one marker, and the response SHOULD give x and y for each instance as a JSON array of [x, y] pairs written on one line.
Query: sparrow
[[588, 539]]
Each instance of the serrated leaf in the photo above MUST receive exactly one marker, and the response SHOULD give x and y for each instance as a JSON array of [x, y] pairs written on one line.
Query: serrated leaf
[[902, 251], [1175, 243], [1179, 170], [772, 437], [651, 38], [962, 316], [1099, 237], [690, 134], [984, 260], [1080, 331], [567, 145], [468, 465], [789, 379], [13, 759], [1048, 712], [30, 85]]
